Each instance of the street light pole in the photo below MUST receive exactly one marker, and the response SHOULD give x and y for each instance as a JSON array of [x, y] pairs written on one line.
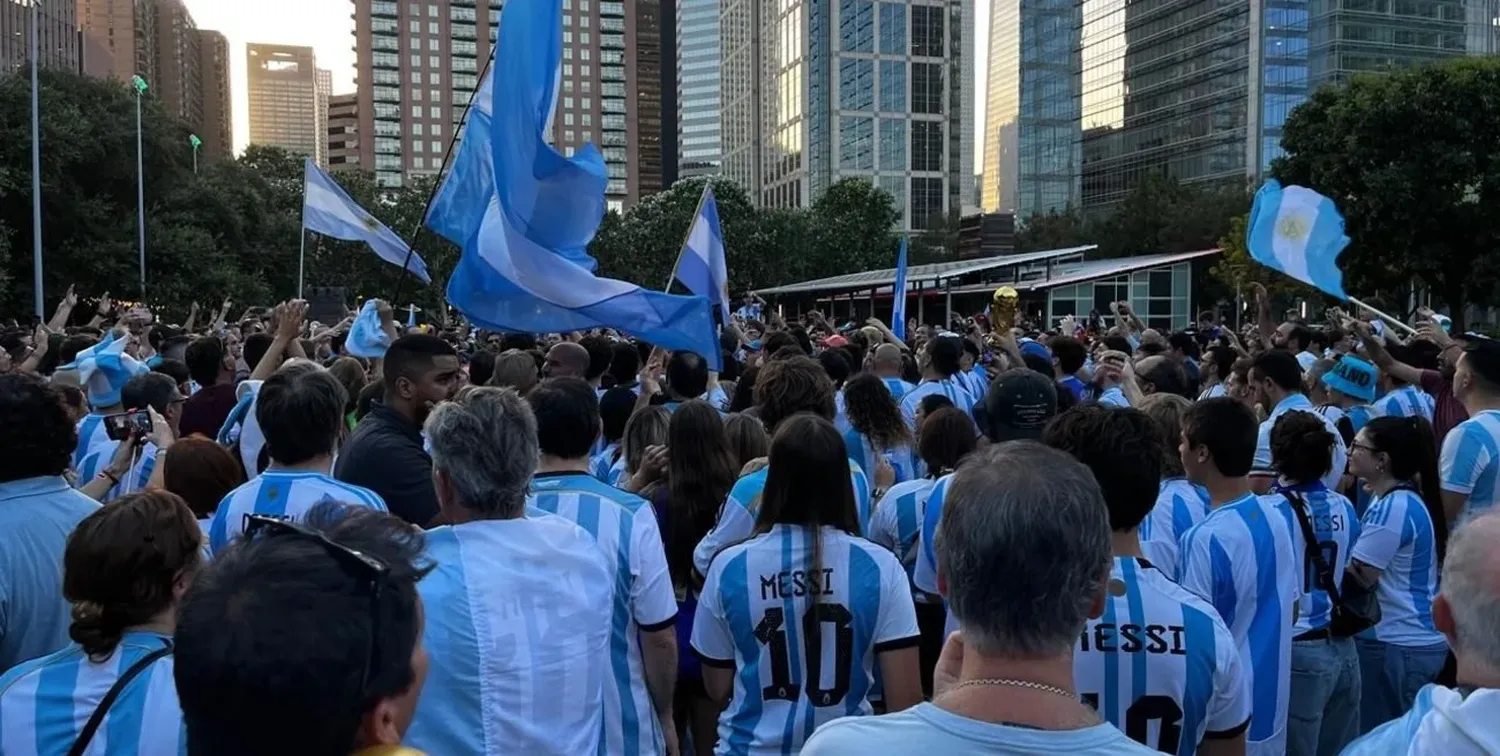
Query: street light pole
[[36, 172], [140, 180]]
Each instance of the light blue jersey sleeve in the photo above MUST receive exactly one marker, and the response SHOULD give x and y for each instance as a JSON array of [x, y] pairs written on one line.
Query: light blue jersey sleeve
[[1464, 458]]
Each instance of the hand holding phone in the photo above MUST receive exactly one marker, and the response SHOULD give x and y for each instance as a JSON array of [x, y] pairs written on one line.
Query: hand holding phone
[[123, 425]]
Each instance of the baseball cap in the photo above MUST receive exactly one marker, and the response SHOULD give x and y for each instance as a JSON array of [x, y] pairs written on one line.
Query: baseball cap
[[835, 341], [1037, 348], [1352, 377], [1019, 404]]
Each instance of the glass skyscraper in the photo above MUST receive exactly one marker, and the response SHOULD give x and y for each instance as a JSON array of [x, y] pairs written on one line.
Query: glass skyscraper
[[698, 87]]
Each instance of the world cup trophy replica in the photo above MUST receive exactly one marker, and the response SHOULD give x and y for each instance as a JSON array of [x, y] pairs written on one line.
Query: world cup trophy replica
[[1003, 306]]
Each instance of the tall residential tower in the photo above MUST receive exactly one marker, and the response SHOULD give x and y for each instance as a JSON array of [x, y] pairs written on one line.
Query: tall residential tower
[[283, 84]]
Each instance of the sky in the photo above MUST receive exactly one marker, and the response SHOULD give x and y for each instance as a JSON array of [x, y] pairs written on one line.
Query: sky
[[326, 26]]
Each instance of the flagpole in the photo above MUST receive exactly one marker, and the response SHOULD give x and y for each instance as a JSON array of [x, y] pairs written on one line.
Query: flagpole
[[689, 235], [36, 173], [1387, 318], [302, 256], [422, 221]]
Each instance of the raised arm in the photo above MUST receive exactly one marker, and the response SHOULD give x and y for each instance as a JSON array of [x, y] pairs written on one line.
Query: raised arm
[[60, 317]]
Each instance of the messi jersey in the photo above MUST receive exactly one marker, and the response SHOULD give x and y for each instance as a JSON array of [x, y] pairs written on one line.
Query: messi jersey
[[1179, 506], [1246, 560], [1407, 401], [897, 523], [1336, 526], [1470, 463], [92, 437], [737, 517], [45, 703], [862, 452], [624, 526], [1397, 537], [949, 387], [1159, 664], [760, 602], [898, 387], [284, 494]]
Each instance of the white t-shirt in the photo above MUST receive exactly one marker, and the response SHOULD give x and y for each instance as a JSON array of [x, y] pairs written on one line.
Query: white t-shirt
[[927, 730]]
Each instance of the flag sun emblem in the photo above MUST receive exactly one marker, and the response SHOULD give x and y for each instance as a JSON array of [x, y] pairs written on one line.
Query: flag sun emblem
[[370, 223], [1294, 227]]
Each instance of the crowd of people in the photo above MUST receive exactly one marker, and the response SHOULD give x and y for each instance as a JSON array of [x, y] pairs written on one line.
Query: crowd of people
[[270, 535]]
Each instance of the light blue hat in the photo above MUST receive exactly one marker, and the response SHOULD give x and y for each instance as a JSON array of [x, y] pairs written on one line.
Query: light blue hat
[[1353, 377]]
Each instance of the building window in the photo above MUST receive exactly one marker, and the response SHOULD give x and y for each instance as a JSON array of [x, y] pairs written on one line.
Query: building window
[[583, 54], [567, 53], [583, 21], [927, 33], [416, 61], [892, 145], [568, 118], [856, 148], [926, 201], [893, 86], [419, 163], [856, 25], [856, 84], [416, 43], [416, 26], [926, 87], [436, 147], [416, 129], [570, 136], [416, 95], [416, 111], [588, 85], [434, 95], [436, 112], [587, 119], [432, 11], [417, 145], [567, 85], [434, 61], [896, 187], [583, 38], [893, 29], [588, 103], [926, 146], [567, 36], [432, 28]]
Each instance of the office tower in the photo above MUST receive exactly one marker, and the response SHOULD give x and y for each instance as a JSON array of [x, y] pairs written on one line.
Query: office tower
[[283, 88], [325, 91], [343, 132], [175, 76], [57, 41], [739, 94], [110, 25], [1031, 149], [217, 129], [697, 87], [670, 170]]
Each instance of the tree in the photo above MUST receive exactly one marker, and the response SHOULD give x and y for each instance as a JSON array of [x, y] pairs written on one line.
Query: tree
[[1412, 159], [852, 230], [1159, 216]]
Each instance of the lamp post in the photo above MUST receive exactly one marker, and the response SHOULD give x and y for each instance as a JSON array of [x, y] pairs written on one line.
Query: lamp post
[[36, 171], [196, 142], [140, 179]]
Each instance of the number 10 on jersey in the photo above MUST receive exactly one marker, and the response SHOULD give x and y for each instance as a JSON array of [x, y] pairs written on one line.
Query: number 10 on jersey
[[772, 633]]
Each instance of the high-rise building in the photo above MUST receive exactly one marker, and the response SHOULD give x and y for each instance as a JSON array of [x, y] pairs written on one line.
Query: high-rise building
[[217, 129], [325, 91], [816, 91], [111, 26], [283, 88], [343, 132], [697, 87], [176, 74], [1031, 150], [57, 40]]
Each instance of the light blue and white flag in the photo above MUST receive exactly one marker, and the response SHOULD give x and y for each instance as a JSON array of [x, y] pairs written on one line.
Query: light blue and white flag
[[366, 336], [701, 267], [515, 273], [329, 210], [104, 369], [898, 294], [1299, 232]]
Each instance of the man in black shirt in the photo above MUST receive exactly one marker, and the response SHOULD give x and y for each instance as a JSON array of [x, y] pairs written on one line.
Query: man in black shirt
[[385, 453]]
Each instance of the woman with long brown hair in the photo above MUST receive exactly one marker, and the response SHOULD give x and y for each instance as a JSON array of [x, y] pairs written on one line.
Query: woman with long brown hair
[[878, 433]]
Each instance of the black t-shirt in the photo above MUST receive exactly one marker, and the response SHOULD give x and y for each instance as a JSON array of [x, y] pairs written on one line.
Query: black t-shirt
[[385, 455]]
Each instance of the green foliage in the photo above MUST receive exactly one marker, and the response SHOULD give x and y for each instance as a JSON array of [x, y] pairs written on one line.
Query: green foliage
[[1160, 216], [1413, 161]]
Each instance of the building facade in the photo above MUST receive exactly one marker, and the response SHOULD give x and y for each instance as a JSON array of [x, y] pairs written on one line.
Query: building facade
[[217, 129], [698, 101], [325, 92], [283, 98], [57, 40], [1031, 149], [176, 72], [842, 89], [343, 132]]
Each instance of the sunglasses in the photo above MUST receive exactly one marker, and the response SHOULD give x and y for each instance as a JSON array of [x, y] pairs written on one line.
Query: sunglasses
[[367, 568]]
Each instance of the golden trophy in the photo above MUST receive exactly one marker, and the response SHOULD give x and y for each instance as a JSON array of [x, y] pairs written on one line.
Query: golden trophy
[[1003, 305]]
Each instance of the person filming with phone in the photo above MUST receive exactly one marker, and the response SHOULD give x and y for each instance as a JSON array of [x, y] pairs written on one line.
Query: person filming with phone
[[147, 427]]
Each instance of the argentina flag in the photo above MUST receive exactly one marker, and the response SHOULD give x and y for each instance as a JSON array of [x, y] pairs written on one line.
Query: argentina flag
[[898, 294], [1299, 232], [701, 267], [329, 210]]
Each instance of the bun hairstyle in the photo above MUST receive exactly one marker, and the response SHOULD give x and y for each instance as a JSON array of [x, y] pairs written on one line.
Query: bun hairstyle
[[1301, 447], [122, 564]]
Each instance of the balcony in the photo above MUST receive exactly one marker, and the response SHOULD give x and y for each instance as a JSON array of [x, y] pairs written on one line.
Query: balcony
[[385, 9]]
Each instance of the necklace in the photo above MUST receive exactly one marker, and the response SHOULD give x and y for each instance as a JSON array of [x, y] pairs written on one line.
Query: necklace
[[1027, 684]]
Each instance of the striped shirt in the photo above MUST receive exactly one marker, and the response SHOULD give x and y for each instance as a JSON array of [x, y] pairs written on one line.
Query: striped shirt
[[1470, 463], [624, 526], [898, 387], [924, 575], [1299, 403], [863, 452], [1407, 401], [1398, 538], [285, 494], [132, 481], [737, 517], [1246, 560], [92, 437], [949, 387], [45, 703], [1336, 526], [753, 616], [897, 523], [1160, 656], [600, 464], [976, 380], [518, 621], [1179, 506]]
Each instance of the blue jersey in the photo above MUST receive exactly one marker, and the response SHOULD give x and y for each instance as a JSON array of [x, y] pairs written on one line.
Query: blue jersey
[[949, 387], [284, 494], [1407, 401], [1246, 560], [1336, 526], [1159, 653], [1470, 463], [1114, 396], [976, 380], [92, 437], [135, 479], [898, 387], [624, 526], [1398, 538], [1074, 385], [1299, 403], [600, 464], [737, 517], [897, 523], [1179, 506], [863, 452], [758, 604], [45, 703], [518, 623]]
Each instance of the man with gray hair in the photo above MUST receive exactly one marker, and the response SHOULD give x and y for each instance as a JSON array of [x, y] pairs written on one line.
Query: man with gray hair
[[1005, 684], [519, 607], [1465, 720]]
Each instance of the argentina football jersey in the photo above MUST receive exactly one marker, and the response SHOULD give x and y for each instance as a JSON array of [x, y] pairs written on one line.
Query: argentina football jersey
[[1336, 526], [92, 437], [949, 387], [133, 480], [286, 494], [1470, 463], [897, 522], [862, 452], [1179, 506], [1397, 537], [1246, 560], [1407, 401], [1299, 403], [760, 600], [898, 387], [1160, 664], [737, 517]]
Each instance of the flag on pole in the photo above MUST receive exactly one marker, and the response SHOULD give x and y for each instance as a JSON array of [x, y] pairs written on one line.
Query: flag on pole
[[329, 210], [898, 294], [700, 266], [1299, 232], [533, 206]]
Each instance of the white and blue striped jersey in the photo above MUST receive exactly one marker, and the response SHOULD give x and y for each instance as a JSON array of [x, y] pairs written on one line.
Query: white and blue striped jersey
[[1246, 560], [45, 703], [616, 475], [862, 452], [1398, 538], [924, 576], [1407, 401], [897, 523], [1159, 664], [737, 517], [759, 600], [92, 437], [1213, 392], [976, 380], [518, 621], [600, 464], [132, 481], [1470, 463], [1179, 506], [1336, 526], [624, 525], [284, 494], [1114, 396], [898, 387], [1299, 403], [949, 387]]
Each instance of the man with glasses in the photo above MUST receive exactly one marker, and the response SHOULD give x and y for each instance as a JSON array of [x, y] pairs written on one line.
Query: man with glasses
[[304, 638]]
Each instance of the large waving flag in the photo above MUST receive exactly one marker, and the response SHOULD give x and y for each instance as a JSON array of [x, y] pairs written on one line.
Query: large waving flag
[[329, 210], [1299, 232], [898, 294], [538, 209], [700, 266], [104, 369]]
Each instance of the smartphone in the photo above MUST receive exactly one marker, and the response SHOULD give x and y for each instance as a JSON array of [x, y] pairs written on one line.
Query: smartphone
[[125, 424]]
